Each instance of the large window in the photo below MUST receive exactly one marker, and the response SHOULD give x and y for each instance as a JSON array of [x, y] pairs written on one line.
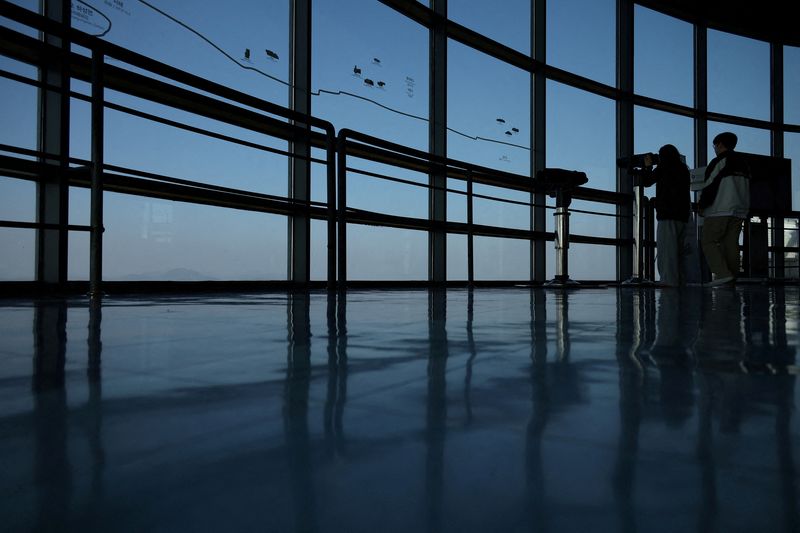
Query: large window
[[656, 74], [750, 140], [581, 38], [581, 134], [375, 253], [792, 151], [33, 5], [738, 76], [370, 70], [18, 106], [508, 22], [791, 82], [148, 239], [653, 129], [242, 44], [488, 111]]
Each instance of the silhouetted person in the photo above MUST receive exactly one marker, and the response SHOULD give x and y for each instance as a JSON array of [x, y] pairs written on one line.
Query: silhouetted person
[[671, 178], [724, 203]]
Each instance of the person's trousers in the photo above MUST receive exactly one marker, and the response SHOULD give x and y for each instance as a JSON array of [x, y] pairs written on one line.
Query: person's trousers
[[671, 243], [720, 242]]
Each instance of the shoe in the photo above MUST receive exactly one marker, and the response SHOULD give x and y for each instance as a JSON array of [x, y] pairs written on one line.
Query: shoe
[[727, 280]]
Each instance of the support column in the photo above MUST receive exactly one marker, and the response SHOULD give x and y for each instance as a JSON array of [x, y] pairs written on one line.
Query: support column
[[538, 137], [52, 192], [700, 126], [625, 253], [299, 228], [437, 143], [96, 238], [777, 150]]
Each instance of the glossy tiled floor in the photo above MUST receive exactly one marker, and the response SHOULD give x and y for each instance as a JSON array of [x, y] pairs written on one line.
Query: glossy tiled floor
[[403, 411]]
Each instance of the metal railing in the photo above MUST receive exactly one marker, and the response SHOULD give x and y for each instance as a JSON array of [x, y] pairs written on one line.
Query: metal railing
[[201, 97], [185, 92], [355, 144]]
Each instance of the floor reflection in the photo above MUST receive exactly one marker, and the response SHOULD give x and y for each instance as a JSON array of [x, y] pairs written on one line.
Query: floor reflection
[[601, 409]]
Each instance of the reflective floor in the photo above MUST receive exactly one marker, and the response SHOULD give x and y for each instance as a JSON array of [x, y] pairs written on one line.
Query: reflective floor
[[401, 411]]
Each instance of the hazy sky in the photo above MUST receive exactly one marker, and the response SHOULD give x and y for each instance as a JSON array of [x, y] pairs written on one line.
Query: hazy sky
[[148, 238]]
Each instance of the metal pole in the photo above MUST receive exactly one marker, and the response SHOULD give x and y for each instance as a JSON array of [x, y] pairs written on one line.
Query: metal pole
[[470, 235], [437, 143], [330, 148], [341, 177], [562, 243], [638, 233], [538, 137], [96, 242]]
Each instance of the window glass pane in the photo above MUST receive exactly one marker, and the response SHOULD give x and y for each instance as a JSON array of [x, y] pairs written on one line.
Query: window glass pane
[[791, 150], [19, 251], [581, 38], [33, 5], [653, 129], [148, 239], [589, 262], [242, 44], [751, 140], [592, 225], [657, 74], [457, 266], [17, 200], [581, 134], [319, 250], [78, 256], [371, 193], [19, 106], [141, 144], [375, 253], [738, 75], [80, 124], [791, 237], [490, 212], [791, 82], [507, 22], [502, 259], [488, 111], [370, 70], [18, 67], [80, 205]]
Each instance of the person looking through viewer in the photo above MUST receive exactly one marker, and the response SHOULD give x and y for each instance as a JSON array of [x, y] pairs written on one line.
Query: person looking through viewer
[[671, 178], [724, 203]]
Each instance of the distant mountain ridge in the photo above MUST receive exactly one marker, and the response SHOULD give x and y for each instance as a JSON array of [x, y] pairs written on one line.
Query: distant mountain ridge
[[174, 274]]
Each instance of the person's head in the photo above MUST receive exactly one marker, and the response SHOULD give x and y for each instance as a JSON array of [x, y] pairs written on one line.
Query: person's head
[[724, 141], [669, 154]]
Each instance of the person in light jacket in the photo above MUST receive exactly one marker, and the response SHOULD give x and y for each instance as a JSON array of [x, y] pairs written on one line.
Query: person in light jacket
[[724, 204]]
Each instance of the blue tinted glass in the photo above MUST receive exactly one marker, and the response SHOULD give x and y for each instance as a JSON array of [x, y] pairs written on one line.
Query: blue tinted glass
[[738, 75], [242, 44], [370, 70], [653, 129], [659, 73], [791, 85], [581, 38], [488, 111], [792, 151], [148, 239], [508, 22], [581, 134]]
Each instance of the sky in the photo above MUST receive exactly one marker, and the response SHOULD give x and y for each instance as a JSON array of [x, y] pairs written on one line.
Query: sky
[[353, 41]]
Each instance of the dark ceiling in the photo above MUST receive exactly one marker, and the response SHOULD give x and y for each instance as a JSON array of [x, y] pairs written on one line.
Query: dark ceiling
[[767, 20]]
